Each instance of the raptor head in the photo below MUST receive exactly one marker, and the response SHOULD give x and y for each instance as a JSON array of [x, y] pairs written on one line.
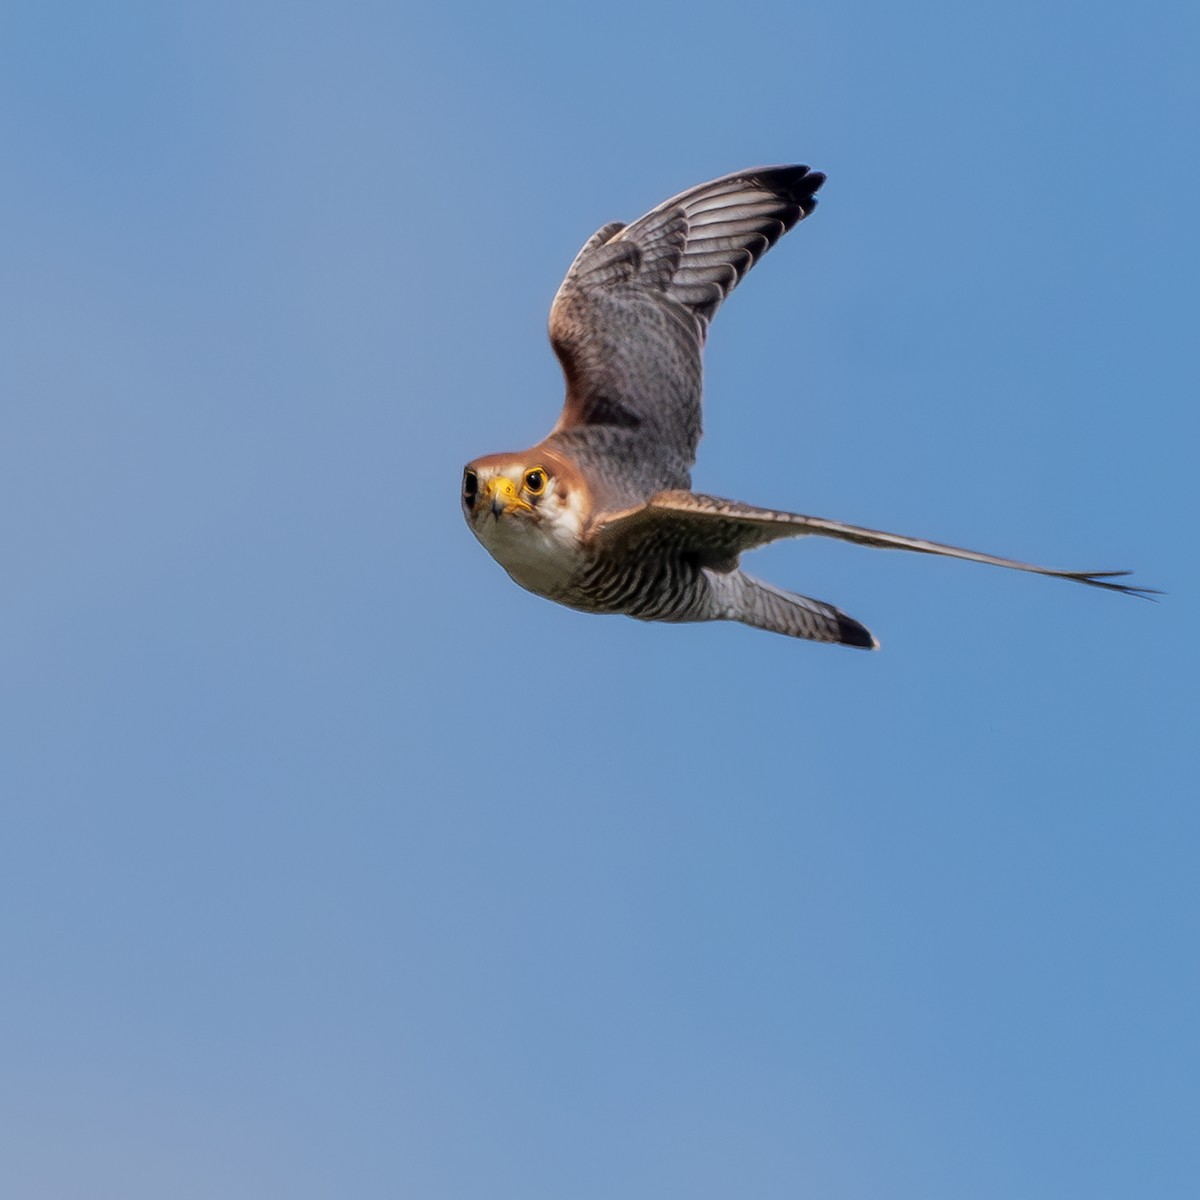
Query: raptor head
[[528, 509]]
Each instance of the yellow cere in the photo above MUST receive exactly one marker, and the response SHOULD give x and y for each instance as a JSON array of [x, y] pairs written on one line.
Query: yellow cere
[[506, 490]]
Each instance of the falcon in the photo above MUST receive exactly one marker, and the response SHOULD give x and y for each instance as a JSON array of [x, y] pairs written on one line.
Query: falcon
[[600, 515]]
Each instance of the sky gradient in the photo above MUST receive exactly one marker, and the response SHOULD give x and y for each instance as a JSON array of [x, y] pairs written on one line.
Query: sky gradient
[[335, 865]]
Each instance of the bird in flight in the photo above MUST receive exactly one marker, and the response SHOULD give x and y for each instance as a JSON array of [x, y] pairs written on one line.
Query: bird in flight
[[600, 515]]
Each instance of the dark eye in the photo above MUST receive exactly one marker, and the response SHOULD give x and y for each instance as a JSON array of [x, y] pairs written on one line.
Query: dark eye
[[470, 488], [535, 481]]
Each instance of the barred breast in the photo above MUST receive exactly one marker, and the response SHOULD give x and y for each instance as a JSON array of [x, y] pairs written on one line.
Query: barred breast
[[661, 583]]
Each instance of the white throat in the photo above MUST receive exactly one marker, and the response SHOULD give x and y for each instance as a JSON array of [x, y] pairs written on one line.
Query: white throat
[[541, 555]]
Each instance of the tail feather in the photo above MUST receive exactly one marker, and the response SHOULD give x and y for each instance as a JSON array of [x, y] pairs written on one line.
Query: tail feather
[[753, 602]]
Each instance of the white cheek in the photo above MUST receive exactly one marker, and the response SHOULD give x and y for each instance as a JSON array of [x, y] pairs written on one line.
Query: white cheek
[[542, 555]]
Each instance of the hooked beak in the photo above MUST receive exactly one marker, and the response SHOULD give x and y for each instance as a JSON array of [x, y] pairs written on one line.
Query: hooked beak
[[502, 495]]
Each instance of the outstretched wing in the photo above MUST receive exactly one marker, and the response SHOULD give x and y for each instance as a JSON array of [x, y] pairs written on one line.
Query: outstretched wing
[[631, 316], [715, 532]]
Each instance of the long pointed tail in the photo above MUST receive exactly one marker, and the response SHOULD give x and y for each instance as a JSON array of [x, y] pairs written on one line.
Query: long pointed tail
[[753, 602]]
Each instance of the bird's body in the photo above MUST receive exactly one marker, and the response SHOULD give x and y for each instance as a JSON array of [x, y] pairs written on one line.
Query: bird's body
[[599, 515]]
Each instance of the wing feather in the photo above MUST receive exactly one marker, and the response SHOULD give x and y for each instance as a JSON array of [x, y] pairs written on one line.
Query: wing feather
[[629, 322], [717, 531]]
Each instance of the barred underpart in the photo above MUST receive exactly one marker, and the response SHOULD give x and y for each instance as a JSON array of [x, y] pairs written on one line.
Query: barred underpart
[[664, 581]]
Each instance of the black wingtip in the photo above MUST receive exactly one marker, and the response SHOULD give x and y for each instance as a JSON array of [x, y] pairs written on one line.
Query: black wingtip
[[1103, 579], [798, 183]]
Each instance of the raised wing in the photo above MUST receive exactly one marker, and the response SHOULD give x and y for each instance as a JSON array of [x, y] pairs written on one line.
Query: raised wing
[[629, 321], [715, 532]]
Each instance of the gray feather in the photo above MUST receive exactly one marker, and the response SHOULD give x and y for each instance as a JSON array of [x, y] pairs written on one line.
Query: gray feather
[[630, 319]]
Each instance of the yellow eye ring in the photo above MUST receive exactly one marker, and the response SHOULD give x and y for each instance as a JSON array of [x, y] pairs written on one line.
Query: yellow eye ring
[[535, 481]]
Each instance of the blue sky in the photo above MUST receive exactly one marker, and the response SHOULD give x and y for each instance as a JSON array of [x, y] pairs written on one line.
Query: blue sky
[[333, 864]]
